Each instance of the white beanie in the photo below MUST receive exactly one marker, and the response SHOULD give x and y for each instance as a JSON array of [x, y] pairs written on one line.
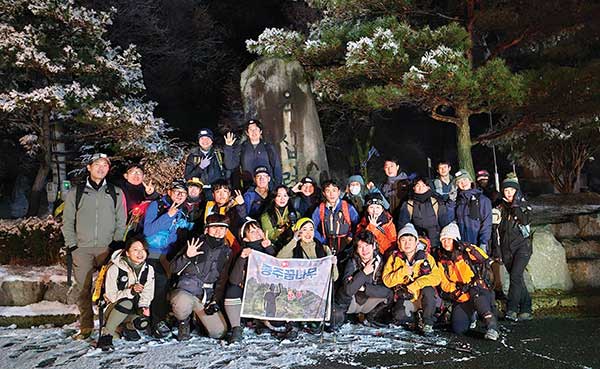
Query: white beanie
[[408, 229], [450, 231]]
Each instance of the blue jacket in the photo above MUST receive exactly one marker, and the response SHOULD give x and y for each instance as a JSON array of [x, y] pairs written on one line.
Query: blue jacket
[[474, 217], [160, 229], [255, 204], [316, 218], [249, 157]]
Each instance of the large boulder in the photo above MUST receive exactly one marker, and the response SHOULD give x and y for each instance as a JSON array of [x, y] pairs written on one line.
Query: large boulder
[[548, 265], [581, 249], [589, 225], [277, 92], [21, 292], [585, 272]]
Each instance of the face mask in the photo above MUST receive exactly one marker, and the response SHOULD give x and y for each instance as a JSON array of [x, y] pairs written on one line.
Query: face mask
[[355, 190]]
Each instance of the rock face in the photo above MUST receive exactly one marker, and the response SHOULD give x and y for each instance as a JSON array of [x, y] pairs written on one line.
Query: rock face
[[548, 265], [277, 92], [21, 292], [561, 208], [585, 272]]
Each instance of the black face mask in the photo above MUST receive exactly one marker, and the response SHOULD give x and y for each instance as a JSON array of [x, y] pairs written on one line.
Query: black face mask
[[213, 241]]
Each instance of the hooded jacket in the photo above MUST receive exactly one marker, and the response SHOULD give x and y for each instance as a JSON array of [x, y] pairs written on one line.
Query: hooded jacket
[[513, 216], [157, 221], [248, 157], [474, 221], [385, 234], [424, 216], [112, 293], [356, 283]]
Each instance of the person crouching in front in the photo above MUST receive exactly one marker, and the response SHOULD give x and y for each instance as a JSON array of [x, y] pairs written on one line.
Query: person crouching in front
[[201, 272]]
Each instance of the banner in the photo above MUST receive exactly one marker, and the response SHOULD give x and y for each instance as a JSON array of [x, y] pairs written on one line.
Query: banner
[[287, 289]]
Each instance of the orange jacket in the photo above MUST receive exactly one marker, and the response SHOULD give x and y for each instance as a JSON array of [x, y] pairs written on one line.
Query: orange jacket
[[384, 234], [456, 270], [397, 272]]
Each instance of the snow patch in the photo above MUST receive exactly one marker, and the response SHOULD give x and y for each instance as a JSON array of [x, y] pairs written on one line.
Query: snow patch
[[40, 308], [54, 273]]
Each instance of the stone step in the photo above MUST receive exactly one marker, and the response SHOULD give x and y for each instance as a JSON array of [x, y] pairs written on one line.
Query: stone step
[[42, 313], [554, 302]]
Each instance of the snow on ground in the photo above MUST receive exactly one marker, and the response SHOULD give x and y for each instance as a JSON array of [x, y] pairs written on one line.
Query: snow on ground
[[40, 308], [43, 347], [54, 273]]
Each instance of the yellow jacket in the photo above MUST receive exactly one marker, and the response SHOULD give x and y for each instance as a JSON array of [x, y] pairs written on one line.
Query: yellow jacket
[[455, 270], [397, 272]]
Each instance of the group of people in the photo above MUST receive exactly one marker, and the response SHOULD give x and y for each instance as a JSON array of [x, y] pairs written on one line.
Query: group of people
[[411, 251]]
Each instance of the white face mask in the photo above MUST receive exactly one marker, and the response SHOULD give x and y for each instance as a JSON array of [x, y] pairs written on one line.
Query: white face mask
[[355, 190]]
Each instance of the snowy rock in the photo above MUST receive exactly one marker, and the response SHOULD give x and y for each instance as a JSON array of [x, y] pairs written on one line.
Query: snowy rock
[[548, 264], [21, 292], [61, 292], [585, 272], [264, 85]]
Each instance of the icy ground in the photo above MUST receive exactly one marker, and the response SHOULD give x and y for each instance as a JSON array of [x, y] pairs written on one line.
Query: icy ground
[[52, 347]]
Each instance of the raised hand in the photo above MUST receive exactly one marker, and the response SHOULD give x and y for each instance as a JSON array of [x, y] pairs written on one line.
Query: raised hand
[[192, 247], [369, 268], [173, 209], [373, 220], [246, 252], [205, 162], [239, 199], [230, 139], [149, 187]]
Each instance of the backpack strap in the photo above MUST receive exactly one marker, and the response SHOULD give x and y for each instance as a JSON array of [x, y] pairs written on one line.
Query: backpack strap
[[79, 190], [410, 205], [122, 279], [144, 276], [112, 191], [322, 215], [346, 212], [435, 205]]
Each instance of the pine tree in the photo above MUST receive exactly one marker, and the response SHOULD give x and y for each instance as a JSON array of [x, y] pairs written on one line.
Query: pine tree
[[373, 54], [59, 73]]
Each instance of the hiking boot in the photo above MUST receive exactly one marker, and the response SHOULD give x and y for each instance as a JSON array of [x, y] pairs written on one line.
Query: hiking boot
[[512, 316], [525, 316], [473, 324], [105, 343], [130, 334], [83, 334], [427, 330], [183, 330], [236, 334], [491, 335], [161, 330]]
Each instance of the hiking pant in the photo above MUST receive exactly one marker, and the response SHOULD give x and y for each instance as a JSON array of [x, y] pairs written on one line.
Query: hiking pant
[[159, 307], [86, 260], [184, 303], [482, 302], [233, 304], [117, 313], [518, 299], [403, 310]]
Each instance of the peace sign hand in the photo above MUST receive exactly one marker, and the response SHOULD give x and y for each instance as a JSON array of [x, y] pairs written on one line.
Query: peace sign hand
[[149, 187], [239, 199]]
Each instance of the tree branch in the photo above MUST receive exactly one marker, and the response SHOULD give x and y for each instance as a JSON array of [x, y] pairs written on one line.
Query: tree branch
[[507, 45], [503, 132]]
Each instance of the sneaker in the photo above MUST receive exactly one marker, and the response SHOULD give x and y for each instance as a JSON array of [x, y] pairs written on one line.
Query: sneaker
[[183, 330], [105, 343], [83, 334], [525, 316], [236, 334], [491, 335], [427, 330], [130, 334], [512, 316], [161, 330]]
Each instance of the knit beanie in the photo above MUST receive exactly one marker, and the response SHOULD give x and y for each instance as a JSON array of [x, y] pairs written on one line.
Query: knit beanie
[[356, 178], [450, 231], [511, 180], [410, 230]]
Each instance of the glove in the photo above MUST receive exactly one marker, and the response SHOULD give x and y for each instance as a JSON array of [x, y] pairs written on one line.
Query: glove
[[205, 162], [212, 308], [401, 293], [452, 194]]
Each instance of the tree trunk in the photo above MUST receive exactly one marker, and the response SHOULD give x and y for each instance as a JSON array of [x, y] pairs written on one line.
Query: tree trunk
[[463, 143], [37, 190]]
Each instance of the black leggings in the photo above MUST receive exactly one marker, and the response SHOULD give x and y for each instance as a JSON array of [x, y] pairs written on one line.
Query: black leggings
[[518, 300], [482, 301], [159, 308], [404, 314]]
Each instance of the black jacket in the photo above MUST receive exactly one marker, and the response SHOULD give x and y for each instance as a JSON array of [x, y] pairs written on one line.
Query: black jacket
[[208, 175], [204, 275], [513, 217], [354, 279]]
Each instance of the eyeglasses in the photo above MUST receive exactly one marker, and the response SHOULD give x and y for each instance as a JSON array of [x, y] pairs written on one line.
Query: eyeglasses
[[179, 192]]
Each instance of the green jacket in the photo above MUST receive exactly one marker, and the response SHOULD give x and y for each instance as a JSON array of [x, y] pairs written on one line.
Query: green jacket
[[97, 222]]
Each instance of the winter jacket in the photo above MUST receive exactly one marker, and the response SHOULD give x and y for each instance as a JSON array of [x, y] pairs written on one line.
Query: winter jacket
[[236, 214], [277, 224], [160, 229], [355, 283], [385, 233], [463, 268], [329, 226], [249, 157], [113, 294], [474, 217], [135, 195], [308, 251], [98, 221], [514, 217], [396, 192], [237, 277], [444, 190], [204, 275], [255, 203], [305, 205], [424, 218], [215, 170], [425, 272]]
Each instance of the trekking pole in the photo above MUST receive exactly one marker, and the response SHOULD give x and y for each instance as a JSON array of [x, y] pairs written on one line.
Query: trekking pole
[[69, 257], [496, 177], [428, 167], [328, 302]]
